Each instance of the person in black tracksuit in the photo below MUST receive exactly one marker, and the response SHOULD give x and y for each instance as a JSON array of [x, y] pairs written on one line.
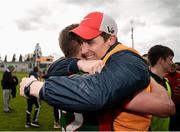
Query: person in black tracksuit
[[30, 102], [56, 111], [7, 84]]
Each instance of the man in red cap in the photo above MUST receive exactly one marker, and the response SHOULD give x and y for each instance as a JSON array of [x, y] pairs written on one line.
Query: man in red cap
[[120, 79]]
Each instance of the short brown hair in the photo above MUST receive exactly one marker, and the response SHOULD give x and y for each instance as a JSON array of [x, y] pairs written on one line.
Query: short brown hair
[[69, 45], [159, 51]]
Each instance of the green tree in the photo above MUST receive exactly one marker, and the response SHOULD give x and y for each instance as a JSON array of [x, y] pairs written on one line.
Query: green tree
[[28, 58], [5, 58], [20, 58], [14, 58]]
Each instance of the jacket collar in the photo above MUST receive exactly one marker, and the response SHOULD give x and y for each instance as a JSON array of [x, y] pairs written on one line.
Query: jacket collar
[[112, 47]]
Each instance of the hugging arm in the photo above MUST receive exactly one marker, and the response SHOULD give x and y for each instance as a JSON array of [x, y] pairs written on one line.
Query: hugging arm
[[156, 103], [69, 66], [118, 80]]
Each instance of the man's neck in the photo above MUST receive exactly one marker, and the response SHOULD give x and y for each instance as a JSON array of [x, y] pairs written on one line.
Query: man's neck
[[158, 71], [114, 45]]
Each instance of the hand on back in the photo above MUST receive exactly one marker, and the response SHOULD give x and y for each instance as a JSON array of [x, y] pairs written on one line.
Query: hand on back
[[91, 66]]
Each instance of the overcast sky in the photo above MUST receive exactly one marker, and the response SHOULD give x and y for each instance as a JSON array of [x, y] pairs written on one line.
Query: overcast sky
[[24, 23]]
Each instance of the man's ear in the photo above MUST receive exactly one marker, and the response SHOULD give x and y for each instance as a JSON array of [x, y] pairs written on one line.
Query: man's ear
[[160, 60], [112, 40]]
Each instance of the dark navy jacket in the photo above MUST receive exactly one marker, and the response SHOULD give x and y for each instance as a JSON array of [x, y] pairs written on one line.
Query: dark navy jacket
[[124, 74], [7, 80]]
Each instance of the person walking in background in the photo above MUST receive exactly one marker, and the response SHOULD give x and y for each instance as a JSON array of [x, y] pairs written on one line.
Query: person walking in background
[[44, 74], [56, 111], [7, 85], [33, 100], [160, 58], [177, 66], [174, 81]]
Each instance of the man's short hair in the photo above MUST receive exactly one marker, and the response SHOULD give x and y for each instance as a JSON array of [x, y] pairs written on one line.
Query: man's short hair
[[158, 51], [69, 44], [35, 69]]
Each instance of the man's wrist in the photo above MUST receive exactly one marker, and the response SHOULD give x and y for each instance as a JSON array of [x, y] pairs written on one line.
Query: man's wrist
[[73, 66]]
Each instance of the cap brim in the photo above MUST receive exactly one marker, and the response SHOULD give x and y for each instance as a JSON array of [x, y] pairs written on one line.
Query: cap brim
[[86, 32]]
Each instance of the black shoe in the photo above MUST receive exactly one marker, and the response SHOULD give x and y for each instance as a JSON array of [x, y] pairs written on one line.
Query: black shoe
[[27, 125], [8, 111], [35, 124], [11, 109]]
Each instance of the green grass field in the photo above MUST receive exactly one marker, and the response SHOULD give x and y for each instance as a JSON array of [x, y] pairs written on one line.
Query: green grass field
[[15, 121]]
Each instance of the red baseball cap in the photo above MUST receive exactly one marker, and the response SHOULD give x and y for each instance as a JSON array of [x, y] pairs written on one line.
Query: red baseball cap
[[94, 24]]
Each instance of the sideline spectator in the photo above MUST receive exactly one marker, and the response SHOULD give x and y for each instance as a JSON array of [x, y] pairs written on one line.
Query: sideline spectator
[[33, 101], [160, 58], [174, 81], [7, 85], [56, 111], [177, 66], [44, 74], [145, 57]]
